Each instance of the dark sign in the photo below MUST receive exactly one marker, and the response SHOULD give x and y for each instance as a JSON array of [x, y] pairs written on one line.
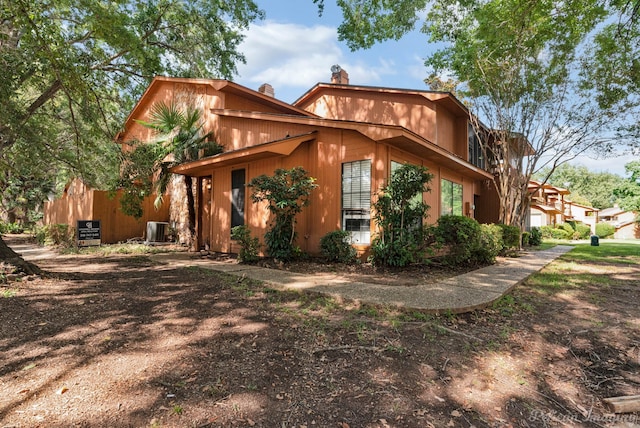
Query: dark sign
[[88, 233]]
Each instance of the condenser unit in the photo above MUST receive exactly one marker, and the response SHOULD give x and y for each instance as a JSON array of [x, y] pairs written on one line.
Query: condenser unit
[[156, 232]]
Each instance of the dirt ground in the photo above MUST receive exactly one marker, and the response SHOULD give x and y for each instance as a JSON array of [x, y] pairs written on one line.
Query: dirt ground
[[121, 341]]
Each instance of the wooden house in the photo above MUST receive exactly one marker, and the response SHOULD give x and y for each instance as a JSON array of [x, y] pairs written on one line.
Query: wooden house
[[346, 136]]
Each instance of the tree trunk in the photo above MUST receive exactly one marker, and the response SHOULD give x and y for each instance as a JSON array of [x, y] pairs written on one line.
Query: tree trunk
[[191, 206], [7, 255]]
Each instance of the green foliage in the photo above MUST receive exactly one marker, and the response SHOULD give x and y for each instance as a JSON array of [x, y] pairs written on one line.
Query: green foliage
[[399, 214], [12, 228], [136, 176], [526, 238], [567, 228], [72, 70], [587, 187], [249, 247], [628, 191], [335, 247], [605, 230], [535, 239], [510, 237], [286, 193], [550, 232], [490, 244], [56, 234], [582, 231], [461, 235]]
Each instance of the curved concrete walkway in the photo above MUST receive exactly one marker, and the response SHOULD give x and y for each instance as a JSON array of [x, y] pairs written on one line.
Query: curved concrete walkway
[[463, 293]]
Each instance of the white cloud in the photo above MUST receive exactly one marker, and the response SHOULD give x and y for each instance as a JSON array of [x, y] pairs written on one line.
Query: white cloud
[[293, 58]]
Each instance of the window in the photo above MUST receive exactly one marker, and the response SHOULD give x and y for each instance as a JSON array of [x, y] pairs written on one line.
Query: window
[[356, 200], [450, 198], [475, 149], [237, 197]]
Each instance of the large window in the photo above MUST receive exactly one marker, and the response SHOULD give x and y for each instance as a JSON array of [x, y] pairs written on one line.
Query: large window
[[237, 197], [450, 198], [356, 200]]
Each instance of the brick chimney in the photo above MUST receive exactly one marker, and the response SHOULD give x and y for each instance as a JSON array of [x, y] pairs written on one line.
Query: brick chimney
[[338, 75], [267, 90]]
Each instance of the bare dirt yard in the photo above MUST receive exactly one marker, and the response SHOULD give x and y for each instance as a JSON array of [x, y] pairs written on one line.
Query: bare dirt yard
[[122, 341]]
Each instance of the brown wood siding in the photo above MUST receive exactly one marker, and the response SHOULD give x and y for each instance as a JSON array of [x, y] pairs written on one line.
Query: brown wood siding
[[415, 113], [238, 133]]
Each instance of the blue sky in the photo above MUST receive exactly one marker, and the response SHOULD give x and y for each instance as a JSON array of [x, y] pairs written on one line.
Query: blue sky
[[294, 48]]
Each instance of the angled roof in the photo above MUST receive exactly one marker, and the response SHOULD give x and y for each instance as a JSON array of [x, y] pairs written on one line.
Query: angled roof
[[446, 99], [221, 85]]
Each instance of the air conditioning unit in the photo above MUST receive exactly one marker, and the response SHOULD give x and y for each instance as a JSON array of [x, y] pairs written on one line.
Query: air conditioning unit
[[156, 232]]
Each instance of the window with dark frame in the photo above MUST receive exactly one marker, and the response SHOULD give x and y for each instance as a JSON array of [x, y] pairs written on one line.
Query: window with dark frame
[[238, 190]]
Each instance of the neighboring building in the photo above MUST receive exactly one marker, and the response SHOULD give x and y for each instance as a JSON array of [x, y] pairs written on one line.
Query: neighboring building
[[348, 137], [550, 206], [624, 221]]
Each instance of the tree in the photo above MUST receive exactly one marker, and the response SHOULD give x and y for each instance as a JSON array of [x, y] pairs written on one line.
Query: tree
[[70, 71], [286, 193], [628, 192], [593, 188], [518, 62], [180, 137]]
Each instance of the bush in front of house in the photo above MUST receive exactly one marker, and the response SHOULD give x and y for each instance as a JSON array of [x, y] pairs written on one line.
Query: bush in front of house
[[550, 232], [461, 235], [489, 245], [535, 239], [605, 230], [12, 228], [510, 237], [249, 246], [335, 247], [567, 228], [526, 237], [286, 193], [582, 231], [399, 214]]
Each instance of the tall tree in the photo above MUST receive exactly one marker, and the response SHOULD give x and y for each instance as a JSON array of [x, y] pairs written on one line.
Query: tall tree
[[519, 63], [71, 70], [594, 188]]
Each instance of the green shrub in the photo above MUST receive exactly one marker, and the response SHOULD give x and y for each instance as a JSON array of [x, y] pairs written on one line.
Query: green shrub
[[550, 232], [461, 234], [567, 228], [399, 213], [510, 237], [249, 247], [13, 228], [582, 231], [335, 247], [489, 245], [536, 236], [56, 234], [526, 238], [605, 230]]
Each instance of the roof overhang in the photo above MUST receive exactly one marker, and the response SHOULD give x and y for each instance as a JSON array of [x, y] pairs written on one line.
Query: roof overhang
[[547, 209], [283, 147], [394, 135]]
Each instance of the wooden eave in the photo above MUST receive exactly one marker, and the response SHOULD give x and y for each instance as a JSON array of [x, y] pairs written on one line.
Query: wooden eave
[[547, 209], [393, 135], [283, 147]]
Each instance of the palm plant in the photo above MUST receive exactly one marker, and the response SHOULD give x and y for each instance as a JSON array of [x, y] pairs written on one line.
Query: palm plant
[[181, 134]]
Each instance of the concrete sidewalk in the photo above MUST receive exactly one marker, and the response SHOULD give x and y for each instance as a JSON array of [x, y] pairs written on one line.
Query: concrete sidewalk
[[463, 293]]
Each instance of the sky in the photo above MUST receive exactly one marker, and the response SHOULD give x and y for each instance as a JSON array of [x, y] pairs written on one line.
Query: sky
[[293, 49]]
